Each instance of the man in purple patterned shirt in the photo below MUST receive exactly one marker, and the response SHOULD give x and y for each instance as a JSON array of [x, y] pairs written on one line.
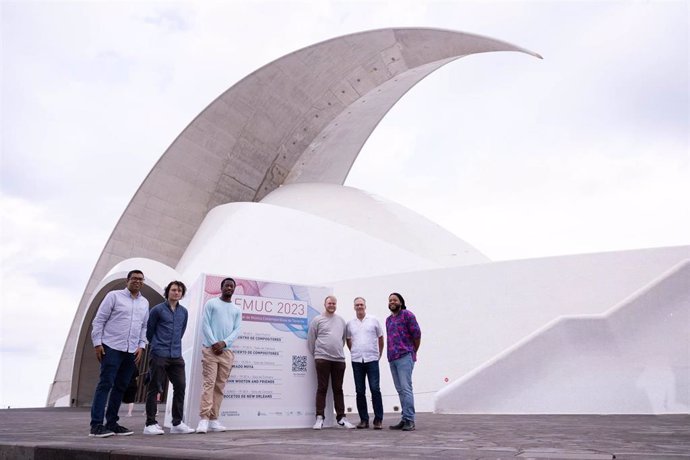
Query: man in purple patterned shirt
[[403, 339]]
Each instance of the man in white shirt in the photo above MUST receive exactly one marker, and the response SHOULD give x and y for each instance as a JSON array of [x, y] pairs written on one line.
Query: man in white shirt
[[365, 342]]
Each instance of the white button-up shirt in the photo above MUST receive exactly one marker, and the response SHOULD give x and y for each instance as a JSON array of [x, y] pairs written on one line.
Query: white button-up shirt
[[364, 334]]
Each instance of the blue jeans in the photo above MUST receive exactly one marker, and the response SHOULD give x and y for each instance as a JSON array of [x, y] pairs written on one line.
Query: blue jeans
[[401, 370], [370, 371], [117, 368]]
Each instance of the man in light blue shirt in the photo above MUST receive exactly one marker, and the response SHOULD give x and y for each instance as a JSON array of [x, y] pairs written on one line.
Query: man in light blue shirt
[[220, 326], [119, 340]]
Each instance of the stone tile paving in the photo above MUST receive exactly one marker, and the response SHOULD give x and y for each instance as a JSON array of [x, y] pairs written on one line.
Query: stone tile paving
[[62, 433]]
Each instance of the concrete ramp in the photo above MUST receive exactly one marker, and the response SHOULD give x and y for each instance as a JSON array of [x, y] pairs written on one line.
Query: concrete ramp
[[635, 358]]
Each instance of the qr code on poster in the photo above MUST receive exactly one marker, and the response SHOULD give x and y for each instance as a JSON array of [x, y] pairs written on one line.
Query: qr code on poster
[[299, 363]]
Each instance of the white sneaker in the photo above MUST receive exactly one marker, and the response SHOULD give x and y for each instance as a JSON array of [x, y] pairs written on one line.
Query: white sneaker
[[202, 427], [182, 428], [215, 426], [343, 423], [319, 423], [153, 429]]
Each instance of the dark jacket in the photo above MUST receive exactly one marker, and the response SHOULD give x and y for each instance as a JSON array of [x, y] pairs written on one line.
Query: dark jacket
[[165, 330]]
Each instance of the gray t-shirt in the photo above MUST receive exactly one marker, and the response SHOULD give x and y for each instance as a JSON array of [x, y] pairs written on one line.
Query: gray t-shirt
[[327, 337]]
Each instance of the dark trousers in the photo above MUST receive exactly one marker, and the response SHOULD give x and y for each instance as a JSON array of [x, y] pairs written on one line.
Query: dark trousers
[[117, 368], [368, 371], [161, 370], [334, 370]]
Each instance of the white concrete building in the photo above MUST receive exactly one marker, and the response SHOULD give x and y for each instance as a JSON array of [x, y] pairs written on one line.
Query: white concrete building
[[253, 188]]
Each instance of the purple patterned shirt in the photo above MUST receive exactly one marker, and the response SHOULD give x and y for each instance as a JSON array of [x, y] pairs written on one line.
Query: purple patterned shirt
[[402, 330]]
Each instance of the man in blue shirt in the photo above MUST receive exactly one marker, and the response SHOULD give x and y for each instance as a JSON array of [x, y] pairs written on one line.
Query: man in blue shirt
[[220, 326], [119, 339], [166, 326]]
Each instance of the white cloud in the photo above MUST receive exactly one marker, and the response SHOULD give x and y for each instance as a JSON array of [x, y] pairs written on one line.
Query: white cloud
[[42, 275], [36, 317]]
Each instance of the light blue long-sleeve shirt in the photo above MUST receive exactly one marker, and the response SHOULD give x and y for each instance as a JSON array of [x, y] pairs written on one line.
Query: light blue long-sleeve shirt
[[120, 321], [221, 321]]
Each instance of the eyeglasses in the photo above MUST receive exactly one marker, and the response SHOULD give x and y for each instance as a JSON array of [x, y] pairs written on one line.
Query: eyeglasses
[[140, 280]]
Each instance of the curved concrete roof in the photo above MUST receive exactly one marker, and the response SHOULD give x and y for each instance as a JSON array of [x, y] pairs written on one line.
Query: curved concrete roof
[[317, 233], [379, 218], [302, 118]]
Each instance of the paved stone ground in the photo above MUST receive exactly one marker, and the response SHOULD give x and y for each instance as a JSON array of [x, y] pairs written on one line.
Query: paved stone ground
[[61, 433]]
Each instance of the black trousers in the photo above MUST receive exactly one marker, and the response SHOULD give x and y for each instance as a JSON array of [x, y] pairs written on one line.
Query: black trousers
[[335, 371], [162, 370]]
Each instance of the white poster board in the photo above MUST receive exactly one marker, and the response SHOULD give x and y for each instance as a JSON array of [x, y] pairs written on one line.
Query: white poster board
[[273, 381]]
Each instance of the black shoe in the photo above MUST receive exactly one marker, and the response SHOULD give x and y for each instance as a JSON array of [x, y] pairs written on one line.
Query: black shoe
[[362, 424], [409, 425], [377, 424], [399, 426], [120, 430], [99, 431]]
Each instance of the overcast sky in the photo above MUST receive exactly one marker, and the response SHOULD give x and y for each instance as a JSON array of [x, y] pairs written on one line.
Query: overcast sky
[[584, 151]]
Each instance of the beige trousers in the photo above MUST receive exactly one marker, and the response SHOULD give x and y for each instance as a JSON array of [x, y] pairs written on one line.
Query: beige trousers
[[215, 370]]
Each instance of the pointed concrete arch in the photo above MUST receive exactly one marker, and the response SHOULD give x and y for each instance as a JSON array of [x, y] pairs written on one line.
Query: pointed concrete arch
[[301, 118]]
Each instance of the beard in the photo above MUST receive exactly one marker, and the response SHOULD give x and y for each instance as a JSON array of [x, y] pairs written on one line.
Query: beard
[[394, 308]]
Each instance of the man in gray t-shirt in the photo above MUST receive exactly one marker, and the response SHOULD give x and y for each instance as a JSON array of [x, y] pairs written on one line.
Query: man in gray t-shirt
[[325, 341]]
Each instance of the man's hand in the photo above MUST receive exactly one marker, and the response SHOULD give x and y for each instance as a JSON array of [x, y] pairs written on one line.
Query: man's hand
[[100, 352], [218, 347], [138, 355]]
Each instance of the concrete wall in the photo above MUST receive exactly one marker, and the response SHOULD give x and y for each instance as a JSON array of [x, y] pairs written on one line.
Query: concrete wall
[[469, 315], [633, 359]]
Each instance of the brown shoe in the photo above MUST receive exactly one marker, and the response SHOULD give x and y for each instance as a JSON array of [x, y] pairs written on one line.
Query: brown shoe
[[363, 424], [377, 425]]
